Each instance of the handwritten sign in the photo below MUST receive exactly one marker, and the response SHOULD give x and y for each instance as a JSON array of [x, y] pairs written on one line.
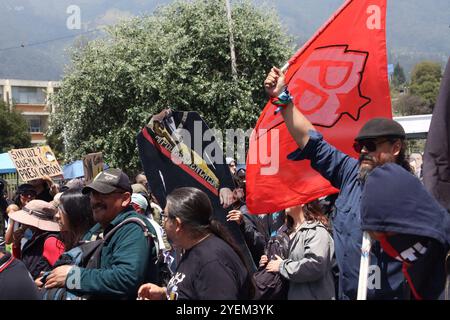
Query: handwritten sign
[[35, 163], [92, 165]]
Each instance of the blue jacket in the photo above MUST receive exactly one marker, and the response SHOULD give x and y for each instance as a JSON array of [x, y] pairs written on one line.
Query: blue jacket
[[386, 280]]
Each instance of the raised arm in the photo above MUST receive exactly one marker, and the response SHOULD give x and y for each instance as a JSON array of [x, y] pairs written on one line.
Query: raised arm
[[297, 124]]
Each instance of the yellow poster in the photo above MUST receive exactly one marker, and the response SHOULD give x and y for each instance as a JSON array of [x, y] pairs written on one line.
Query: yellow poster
[[35, 163]]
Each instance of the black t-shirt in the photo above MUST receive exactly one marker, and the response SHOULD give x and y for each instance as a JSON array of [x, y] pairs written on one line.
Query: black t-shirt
[[210, 270], [15, 281]]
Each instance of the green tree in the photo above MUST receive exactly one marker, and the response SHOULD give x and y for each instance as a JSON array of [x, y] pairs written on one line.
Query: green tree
[[425, 81], [407, 104], [13, 131], [399, 78], [179, 57]]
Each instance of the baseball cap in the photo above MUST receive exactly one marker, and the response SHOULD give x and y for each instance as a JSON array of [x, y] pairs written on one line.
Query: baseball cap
[[381, 127], [26, 188], [109, 181], [139, 188], [140, 200], [229, 160]]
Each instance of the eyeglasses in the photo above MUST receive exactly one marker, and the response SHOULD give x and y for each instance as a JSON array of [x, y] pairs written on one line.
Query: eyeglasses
[[370, 145], [28, 194]]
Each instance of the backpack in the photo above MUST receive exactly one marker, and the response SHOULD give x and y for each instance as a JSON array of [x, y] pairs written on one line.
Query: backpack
[[88, 255], [271, 285]]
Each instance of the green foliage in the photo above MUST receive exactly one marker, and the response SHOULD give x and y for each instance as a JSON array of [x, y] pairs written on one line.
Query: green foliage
[[399, 78], [179, 57], [425, 81], [13, 131], [408, 104]]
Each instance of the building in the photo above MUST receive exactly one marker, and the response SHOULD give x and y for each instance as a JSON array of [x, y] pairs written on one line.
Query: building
[[31, 99], [416, 127]]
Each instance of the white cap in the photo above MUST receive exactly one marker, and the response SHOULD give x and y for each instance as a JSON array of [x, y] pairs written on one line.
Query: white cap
[[140, 200], [229, 160]]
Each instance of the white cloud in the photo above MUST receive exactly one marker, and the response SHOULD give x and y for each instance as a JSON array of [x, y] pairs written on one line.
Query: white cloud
[[112, 16]]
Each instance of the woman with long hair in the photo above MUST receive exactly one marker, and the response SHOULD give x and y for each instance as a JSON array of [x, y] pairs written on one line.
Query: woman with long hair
[[74, 216], [310, 258], [211, 266]]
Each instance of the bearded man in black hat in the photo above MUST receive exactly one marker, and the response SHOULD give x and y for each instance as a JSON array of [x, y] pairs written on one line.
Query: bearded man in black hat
[[379, 141]]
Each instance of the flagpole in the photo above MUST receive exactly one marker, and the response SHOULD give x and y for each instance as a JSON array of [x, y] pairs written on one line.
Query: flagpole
[[364, 266], [232, 51]]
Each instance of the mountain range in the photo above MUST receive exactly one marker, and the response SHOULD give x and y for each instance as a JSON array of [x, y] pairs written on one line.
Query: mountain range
[[35, 38]]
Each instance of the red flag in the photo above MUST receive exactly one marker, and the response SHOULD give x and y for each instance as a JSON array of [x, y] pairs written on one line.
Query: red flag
[[339, 81]]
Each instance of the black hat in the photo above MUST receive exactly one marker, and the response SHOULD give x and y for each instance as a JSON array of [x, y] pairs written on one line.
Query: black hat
[[109, 181], [25, 188], [381, 127]]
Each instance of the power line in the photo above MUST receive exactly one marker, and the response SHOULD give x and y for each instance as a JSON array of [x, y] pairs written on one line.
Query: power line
[[49, 40]]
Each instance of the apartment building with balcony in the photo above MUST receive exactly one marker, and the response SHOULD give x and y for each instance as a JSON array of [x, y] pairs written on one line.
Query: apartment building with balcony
[[31, 99]]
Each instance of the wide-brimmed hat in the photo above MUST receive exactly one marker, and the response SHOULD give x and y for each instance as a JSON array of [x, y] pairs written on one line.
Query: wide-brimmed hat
[[37, 213]]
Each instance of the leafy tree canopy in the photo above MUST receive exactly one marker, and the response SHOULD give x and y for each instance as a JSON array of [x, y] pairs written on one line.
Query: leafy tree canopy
[[179, 57], [399, 77], [13, 131], [407, 104], [425, 81]]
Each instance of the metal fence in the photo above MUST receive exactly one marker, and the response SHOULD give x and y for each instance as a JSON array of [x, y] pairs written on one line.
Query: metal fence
[[13, 181]]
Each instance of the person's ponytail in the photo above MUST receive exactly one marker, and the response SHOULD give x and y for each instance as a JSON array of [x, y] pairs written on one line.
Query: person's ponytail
[[217, 228]]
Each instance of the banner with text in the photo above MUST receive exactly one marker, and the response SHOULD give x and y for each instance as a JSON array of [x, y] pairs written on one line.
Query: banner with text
[[35, 163], [92, 165]]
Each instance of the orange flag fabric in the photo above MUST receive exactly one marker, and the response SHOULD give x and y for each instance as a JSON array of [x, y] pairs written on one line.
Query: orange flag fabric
[[338, 80]]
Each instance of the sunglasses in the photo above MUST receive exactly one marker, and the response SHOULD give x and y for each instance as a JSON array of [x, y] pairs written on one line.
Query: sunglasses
[[370, 145]]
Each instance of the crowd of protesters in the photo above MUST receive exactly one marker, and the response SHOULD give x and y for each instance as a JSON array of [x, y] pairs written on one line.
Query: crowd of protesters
[[110, 239]]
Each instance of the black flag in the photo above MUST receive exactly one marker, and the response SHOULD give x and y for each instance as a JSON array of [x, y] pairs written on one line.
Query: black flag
[[190, 157], [436, 163]]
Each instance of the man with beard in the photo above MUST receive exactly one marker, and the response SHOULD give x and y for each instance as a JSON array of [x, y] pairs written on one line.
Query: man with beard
[[126, 258], [379, 141]]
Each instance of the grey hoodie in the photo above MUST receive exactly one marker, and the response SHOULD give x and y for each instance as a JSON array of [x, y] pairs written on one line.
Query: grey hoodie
[[308, 267]]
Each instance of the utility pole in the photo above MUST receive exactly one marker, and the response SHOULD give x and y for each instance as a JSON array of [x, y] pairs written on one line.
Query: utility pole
[[232, 52]]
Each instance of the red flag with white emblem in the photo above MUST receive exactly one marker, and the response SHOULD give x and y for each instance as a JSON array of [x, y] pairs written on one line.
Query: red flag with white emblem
[[338, 80]]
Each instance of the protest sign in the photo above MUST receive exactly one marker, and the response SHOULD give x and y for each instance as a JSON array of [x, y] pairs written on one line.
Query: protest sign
[[92, 165], [35, 163]]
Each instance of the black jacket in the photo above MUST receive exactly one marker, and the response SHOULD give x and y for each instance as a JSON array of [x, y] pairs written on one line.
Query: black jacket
[[31, 254], [395, 201], [15, 281]]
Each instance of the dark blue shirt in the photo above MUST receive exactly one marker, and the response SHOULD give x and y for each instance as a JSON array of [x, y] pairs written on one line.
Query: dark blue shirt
[[386, 280]]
